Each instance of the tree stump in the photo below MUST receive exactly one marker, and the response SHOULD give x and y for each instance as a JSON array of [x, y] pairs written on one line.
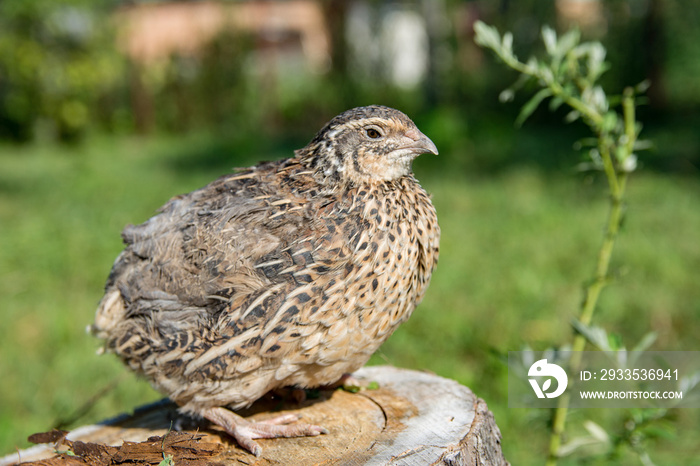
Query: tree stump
[[413, 418]]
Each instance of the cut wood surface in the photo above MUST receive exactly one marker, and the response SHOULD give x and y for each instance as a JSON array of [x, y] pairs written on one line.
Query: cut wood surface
[[413, 418]]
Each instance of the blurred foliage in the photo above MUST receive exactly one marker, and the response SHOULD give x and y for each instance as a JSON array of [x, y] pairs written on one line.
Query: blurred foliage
[[61, 74], [57, 63]]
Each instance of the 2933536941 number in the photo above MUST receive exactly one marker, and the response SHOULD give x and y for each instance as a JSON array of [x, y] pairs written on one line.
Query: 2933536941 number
[[639, 374]]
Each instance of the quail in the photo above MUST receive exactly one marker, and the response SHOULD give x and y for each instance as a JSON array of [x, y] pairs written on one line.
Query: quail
[[287, 273]]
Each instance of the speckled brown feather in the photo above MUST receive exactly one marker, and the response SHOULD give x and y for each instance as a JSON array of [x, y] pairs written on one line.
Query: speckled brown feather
[[287, 273]]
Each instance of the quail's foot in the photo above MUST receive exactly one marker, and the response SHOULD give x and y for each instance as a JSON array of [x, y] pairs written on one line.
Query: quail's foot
[[245, 431]]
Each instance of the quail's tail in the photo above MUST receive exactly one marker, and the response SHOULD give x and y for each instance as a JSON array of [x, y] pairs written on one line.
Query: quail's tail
[[110, 313]]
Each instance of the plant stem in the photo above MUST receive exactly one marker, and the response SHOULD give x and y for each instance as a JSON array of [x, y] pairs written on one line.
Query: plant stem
[[596, 119], [588, 307], [615, 146], [616, 182]]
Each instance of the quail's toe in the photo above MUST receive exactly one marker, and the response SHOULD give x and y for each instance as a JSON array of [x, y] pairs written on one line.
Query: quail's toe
[[245, 432]]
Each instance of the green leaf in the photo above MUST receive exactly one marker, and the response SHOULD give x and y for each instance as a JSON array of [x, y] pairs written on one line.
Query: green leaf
[[629, 164], [555, 103], [642, 87], [615, 341], [506, 95], [621, 153], [487, 36], [546, 75], [567, 42], [596, 431], [688, 382], [596, 336], [532, 65], [351, 388], [596, 60], [549, 37], [532, 105], [516, 86], [610, 120], [656, 431], [585, 142], [574, 444], [642, 144], [594, 154], [507, 43], [572, 116], [646, 342], [595, 97]]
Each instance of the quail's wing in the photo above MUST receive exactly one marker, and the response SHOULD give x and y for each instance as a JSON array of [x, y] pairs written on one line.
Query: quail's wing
[[242, 252]]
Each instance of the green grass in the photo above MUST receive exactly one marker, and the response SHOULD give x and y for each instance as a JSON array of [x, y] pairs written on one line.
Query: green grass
[[516, 247]]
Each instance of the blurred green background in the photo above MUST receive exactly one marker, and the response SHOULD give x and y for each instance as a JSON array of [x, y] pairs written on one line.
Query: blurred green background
[[107, 109]]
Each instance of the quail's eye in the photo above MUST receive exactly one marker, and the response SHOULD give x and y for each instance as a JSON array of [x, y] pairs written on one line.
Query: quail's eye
[[373, 133]]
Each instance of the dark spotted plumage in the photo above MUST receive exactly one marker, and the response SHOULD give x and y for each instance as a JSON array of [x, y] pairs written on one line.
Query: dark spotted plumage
[[286, 273]]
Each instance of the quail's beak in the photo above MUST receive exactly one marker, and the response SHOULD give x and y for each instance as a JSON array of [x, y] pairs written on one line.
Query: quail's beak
[[419, 143]]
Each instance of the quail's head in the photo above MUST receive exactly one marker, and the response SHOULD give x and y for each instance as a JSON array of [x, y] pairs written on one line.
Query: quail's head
[[366, 144]]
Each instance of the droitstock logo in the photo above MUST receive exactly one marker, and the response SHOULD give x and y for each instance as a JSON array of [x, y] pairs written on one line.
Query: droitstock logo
[[542, 369], [603, 379]]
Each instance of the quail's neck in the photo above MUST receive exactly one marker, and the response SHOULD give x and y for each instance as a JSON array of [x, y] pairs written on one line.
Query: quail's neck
[[334, 171]]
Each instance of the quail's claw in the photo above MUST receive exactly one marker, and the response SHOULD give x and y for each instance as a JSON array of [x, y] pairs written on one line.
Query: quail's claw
[[245, 431]]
